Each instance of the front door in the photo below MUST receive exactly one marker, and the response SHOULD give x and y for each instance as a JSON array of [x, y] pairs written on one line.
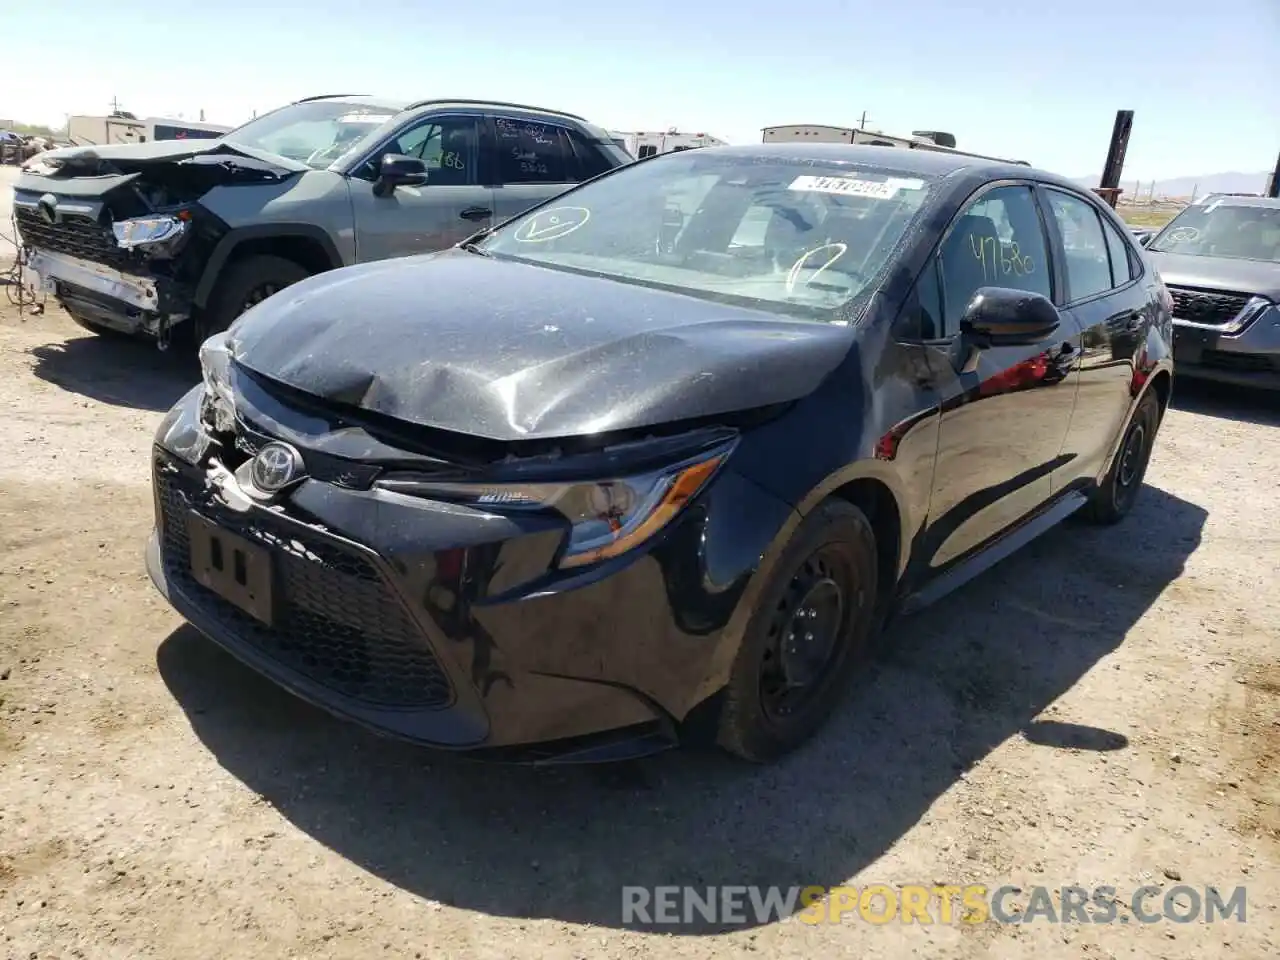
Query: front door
[[1003, 422], [445, 210]]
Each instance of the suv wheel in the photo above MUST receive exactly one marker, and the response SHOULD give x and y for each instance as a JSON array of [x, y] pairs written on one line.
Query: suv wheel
[[100, 329], [245, 283], [809, 638]]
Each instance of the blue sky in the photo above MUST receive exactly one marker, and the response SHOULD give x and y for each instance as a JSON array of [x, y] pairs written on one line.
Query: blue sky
[[1028, 79]]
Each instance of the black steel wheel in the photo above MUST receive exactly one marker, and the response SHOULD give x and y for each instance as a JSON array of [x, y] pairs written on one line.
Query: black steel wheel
[[810, 635], [1114, 498]]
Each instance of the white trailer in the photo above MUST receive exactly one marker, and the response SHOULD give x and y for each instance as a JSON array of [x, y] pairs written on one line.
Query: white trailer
[[127, 129], [647, 143]]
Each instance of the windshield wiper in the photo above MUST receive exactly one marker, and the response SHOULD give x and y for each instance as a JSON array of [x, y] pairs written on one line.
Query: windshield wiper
[[473, 246]]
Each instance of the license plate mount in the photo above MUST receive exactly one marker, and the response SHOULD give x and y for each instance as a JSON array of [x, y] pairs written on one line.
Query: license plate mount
[[234, 568]]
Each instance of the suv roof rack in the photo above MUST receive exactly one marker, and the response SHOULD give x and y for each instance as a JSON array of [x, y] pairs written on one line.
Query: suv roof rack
[[495, 103], [326, 96]]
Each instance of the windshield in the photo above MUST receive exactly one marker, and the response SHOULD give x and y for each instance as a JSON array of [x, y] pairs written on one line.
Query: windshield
[[1223, 229], [315, 133], [794, 237]]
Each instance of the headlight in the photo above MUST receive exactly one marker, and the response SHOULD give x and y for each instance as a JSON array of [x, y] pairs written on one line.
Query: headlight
[[606, 517], [217, 409], [41, 166], [148, 231]]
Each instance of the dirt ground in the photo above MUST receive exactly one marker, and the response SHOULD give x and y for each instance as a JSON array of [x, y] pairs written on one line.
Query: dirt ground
[[1103, 709]]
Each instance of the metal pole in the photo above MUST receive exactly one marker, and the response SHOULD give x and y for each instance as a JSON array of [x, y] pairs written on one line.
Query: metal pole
[[1273, 189], [1109, 185]]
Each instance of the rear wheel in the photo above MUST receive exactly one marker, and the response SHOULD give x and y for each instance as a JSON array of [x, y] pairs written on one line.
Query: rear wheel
[[810, 636], [1116, 495], [244, 284]]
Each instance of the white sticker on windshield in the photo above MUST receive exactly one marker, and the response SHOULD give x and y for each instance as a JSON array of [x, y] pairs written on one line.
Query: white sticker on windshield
[[370, 118], [853, 187]]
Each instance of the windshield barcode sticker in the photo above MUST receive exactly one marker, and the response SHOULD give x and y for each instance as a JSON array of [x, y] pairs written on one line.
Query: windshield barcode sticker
[[853, 187]]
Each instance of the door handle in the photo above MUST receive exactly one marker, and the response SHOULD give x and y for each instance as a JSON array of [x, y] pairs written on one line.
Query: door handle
[[476, 213]]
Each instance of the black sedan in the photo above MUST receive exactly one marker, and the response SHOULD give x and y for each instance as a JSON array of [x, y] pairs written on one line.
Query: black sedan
[[662, 456]]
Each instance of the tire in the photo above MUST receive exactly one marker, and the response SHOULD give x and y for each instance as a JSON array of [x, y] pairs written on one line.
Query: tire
[[834, 546], [244, 283], [109, 333], [1114, 498]]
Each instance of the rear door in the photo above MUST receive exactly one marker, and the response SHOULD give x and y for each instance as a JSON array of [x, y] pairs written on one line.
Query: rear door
[[1104, 292], [451, 206], [532, 161]]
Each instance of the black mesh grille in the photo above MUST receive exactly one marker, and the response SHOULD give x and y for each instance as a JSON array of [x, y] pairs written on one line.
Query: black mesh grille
[[336, 620], [1240, 362], [1207, 306], [75, 236]]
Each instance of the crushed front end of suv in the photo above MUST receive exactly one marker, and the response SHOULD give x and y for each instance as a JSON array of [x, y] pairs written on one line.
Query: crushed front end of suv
[[148, 238], [661, 456]]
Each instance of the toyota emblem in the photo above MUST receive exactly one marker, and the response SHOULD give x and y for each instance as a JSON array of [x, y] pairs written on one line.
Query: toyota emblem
[[276, 466], [47, 206]]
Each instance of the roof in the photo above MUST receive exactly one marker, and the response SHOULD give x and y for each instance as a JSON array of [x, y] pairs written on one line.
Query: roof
[[928, 163], [398, 104], [1238, 200], [385, 103]]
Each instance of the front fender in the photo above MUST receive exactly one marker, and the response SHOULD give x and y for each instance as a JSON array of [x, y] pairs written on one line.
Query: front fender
[[266, 231]]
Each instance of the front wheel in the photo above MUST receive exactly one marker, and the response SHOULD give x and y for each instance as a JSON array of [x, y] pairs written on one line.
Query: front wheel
[[809, 637], [245, 283], [101, 329], [1115, 496]]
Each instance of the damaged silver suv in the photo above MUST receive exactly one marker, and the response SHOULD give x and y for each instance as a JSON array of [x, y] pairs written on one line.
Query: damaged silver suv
[[180, 237]]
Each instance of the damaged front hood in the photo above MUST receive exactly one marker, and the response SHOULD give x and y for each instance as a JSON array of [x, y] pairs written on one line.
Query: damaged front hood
[[50, 170], [509, 352]]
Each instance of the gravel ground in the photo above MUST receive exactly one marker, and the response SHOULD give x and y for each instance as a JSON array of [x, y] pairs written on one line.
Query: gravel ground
[[1102, 709]]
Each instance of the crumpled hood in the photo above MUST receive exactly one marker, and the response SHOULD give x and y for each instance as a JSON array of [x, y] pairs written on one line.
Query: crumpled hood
[[1219, 273], [509, 351], [126, 158]]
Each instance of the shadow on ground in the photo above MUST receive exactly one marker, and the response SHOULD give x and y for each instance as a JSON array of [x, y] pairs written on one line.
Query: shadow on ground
[[965, 676], [1228, 402], [118, 371]]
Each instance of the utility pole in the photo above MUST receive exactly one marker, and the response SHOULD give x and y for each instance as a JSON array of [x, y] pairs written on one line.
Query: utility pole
[[1109, 183], [862, 122], [115, 105]]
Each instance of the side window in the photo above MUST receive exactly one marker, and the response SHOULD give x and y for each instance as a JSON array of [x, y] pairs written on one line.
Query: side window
[[448, 145], [530, 152], [996, 241], [1088, 265], [1121, 264], [591, 161]]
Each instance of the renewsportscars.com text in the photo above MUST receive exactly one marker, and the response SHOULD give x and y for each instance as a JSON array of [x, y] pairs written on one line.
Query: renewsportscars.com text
[[929, 904]]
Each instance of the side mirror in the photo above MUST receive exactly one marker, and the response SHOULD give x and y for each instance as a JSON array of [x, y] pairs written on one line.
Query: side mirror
[[1000, 317], [1145, 239], [397, 170]]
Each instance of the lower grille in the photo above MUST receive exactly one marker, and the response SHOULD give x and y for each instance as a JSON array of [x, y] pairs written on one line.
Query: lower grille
[[336, 622], [1210, 307], [1239, 362], [73, 235]]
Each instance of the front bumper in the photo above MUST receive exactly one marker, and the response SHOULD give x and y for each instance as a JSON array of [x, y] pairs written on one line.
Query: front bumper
[[127, 302], [440, 624], [1249, 357]]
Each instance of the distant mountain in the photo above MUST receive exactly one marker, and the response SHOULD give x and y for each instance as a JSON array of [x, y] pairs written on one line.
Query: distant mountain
[[1184, 186]]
